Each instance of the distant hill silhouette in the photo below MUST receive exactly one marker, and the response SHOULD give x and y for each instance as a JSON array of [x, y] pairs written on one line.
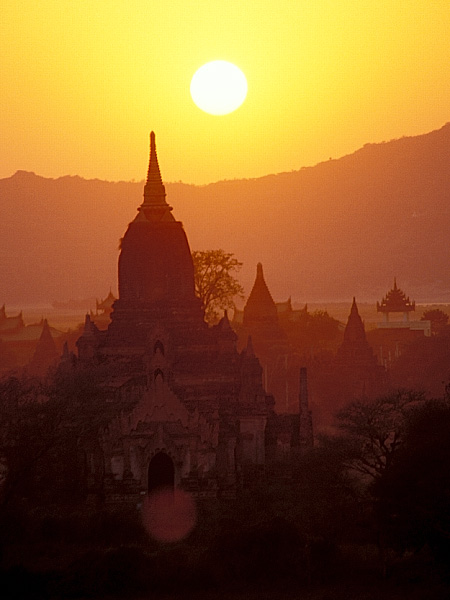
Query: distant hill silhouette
[[339, 229]]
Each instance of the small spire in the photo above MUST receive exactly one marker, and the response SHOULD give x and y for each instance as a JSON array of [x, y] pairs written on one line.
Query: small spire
[[45, 352], [354, 330], [153, 173], [154, 206], [224, 322], [89, 327], [260, 304], [250, 350], [303, 395], [306, 426]]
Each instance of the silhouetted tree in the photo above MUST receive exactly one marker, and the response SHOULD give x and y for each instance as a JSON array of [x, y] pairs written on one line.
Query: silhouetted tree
[[41, 422], [424, 364], [372, 432], [29, 428], [414, 494], [312, 333], [215, 283], [438, 318]]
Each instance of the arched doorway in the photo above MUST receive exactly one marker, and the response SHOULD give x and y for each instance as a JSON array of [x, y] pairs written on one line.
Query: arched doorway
[[161, 472]]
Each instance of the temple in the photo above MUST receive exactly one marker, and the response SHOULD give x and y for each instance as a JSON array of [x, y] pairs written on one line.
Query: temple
[[393, 335], [45, 355], [176, 391], [103, 310], [396, 301], [357, 370], [10, 325]]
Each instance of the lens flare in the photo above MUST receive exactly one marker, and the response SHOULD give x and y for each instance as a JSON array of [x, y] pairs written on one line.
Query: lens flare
[[169, 515]]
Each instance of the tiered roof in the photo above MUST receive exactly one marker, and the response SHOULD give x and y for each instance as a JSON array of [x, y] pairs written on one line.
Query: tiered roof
[[106, 304], [396, 301]]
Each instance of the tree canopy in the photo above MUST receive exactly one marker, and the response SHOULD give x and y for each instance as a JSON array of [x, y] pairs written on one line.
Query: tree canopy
[[373, 432], [215, 281], [414, 494], [438, 318]]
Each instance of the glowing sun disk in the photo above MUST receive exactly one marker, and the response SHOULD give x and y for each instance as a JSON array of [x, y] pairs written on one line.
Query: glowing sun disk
[[218, 87]]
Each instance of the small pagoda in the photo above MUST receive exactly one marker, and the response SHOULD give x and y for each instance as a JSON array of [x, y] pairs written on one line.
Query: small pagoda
[[106, 306], [396, 301]]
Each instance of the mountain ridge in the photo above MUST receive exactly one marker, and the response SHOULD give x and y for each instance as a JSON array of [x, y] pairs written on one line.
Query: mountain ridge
[[341, 228]]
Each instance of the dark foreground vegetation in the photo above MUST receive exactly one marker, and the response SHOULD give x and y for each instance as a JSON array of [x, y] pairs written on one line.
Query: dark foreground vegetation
[[95, 556], [365, 515]]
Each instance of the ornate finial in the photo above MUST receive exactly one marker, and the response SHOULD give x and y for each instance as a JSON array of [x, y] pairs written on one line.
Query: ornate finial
[[153, 173], [396, 301], [154, 206]]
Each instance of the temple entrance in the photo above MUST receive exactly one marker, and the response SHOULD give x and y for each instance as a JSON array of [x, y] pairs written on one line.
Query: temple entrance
[[161, 472]]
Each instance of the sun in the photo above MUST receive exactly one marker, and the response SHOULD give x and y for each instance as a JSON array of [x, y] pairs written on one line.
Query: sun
[[218, 87]]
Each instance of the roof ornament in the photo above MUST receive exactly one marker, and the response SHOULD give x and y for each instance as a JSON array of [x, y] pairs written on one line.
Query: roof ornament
[[154, 207], [396, 301]]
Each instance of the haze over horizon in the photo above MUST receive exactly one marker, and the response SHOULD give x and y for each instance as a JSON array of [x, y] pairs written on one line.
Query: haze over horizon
[[342, 228]]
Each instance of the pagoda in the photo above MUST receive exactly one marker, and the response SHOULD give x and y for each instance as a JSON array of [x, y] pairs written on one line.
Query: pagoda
[[393, 335], [176, 392], [261, 322], [45, 354], [396, 301], [359, 372]]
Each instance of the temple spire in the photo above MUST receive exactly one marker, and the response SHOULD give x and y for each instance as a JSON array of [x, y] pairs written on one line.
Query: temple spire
[[154, 206], [45, 353], [354, 330], [306, 427], [260, 305], [153, 173]]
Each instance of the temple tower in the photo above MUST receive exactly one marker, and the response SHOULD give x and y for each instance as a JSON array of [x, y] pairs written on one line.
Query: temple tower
[[306, 437], [260, 307], [393, 335], [358, 371], [173, 387], [260, 321], [45, 354], [355, 349], [156, 272], [155, 264], [396, 301]]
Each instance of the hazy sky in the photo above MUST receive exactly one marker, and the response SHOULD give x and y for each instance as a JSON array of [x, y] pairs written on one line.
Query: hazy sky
[[84, 82]]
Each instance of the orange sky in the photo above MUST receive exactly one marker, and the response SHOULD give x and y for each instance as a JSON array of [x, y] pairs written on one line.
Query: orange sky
[[84, 82]]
